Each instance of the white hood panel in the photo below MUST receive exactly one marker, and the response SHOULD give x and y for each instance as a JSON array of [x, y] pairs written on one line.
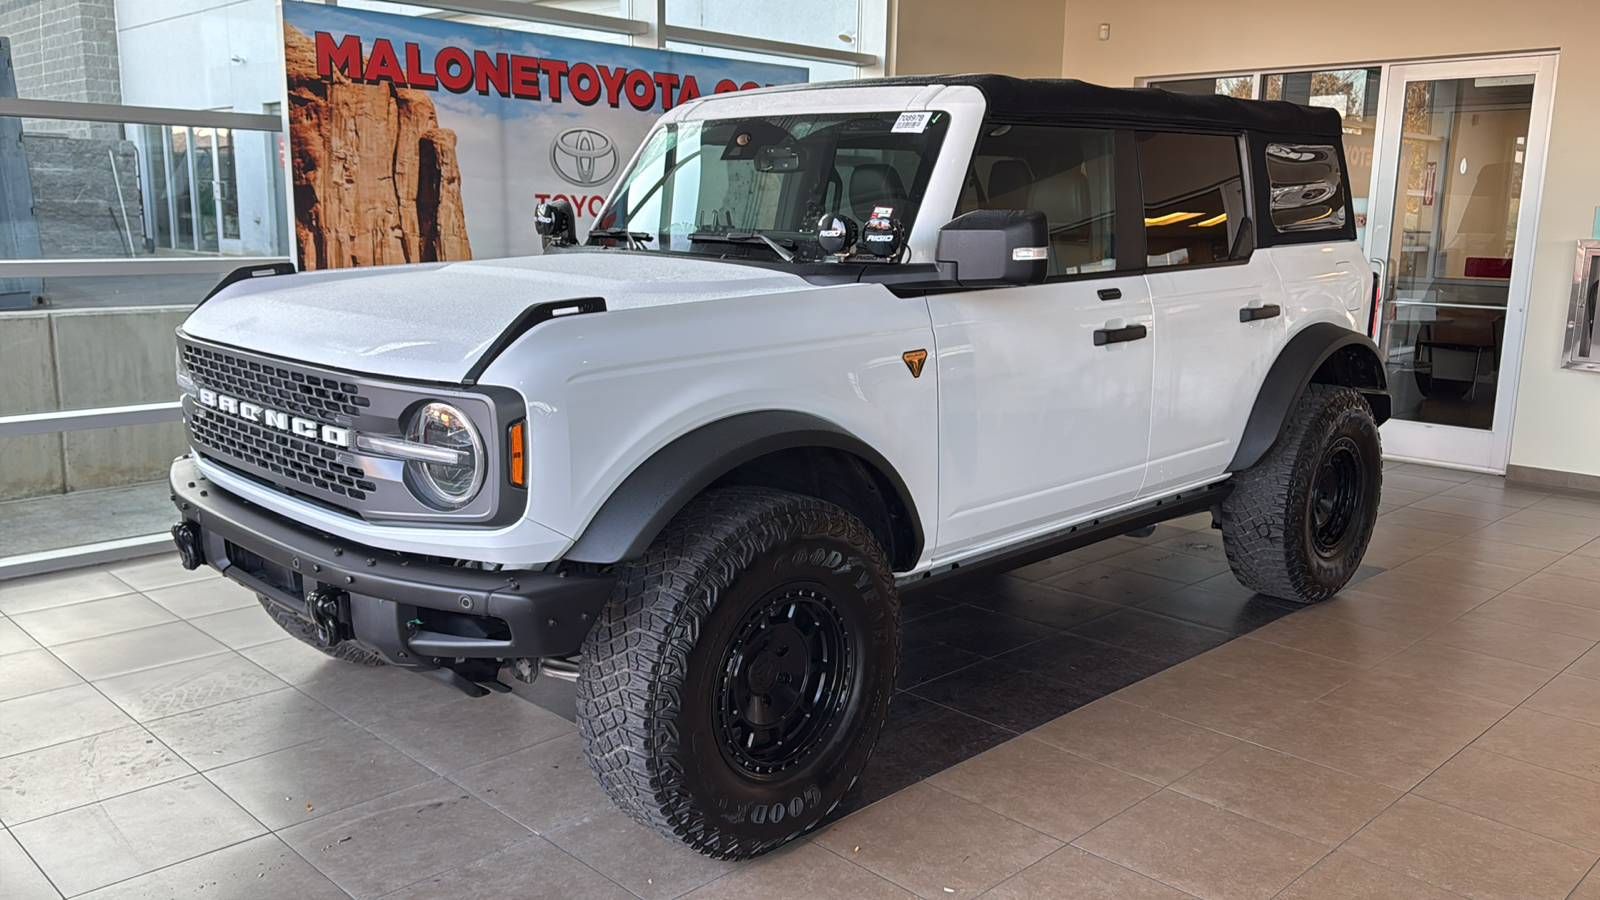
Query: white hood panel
[[431, 321]]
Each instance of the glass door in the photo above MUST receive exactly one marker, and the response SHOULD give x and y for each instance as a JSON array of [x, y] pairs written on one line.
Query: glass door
[[1459, 168]]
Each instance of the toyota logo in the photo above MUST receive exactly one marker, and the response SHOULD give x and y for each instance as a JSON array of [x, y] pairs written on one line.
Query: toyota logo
[[584, 157]]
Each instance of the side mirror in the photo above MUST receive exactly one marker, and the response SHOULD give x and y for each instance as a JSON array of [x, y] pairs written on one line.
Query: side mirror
[[996, 247]]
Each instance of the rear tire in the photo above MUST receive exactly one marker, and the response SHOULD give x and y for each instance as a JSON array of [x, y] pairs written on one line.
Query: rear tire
[[349, 651], [1298, 522], [735, 685]]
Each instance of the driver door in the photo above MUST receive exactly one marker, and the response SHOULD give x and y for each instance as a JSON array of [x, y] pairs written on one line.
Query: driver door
[[1044, 390]]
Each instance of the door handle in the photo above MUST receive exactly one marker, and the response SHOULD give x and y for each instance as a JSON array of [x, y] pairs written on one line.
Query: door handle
[[1104, 336], [1110, 293], [1252, 313]]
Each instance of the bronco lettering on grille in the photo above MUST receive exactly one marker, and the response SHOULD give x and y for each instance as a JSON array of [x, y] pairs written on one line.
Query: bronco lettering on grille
[[299, 427]]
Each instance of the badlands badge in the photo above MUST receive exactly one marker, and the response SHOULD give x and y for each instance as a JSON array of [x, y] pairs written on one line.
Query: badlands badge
[[914, 360]]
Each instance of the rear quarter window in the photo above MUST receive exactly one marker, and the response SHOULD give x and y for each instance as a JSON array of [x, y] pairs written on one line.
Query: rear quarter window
[[1306, 187]]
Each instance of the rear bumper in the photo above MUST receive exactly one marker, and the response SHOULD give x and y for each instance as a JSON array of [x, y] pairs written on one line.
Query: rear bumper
[[411, 611]]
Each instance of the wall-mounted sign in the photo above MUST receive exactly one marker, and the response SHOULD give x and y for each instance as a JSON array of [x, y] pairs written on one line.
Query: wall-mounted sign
[[417, 140]]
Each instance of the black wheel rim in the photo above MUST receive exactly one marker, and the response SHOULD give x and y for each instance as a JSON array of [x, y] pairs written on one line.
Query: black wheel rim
[[785, 677], [1336, 496]]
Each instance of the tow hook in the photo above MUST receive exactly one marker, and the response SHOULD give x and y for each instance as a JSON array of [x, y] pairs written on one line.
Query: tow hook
[[322, 606], [187, 537]]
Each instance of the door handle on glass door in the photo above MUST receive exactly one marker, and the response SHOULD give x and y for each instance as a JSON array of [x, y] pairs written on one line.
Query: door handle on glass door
[[1108, 335], [1265, 311]]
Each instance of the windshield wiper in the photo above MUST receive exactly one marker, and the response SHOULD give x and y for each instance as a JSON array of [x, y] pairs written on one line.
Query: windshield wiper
[[636, 239], [746, 237]]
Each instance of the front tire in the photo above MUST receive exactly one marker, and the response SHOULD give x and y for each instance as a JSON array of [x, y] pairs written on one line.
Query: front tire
[[734, 687], [1298, 522]]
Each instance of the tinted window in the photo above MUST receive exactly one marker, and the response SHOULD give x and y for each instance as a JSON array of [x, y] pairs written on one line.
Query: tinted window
[[1307, 190], [1065, 173], [1193, 197]]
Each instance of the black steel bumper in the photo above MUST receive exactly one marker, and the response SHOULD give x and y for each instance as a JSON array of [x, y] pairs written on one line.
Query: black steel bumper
[[413, 612]]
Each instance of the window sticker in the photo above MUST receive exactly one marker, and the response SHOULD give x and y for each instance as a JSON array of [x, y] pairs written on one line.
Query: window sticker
[[912, 123]]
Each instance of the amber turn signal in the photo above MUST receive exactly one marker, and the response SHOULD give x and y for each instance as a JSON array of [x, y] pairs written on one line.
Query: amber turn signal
[[519, 461]]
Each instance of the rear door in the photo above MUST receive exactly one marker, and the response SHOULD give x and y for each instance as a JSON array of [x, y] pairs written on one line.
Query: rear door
[[1041, 421], [1218, 306]]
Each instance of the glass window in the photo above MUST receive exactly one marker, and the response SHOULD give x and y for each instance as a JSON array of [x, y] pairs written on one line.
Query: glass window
[[1194, 201], [701, 186], [1239, 86], [1354, 93], [1307, 189], [1066, 173]]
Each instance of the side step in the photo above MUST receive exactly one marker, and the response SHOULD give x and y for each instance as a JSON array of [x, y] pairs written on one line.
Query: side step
[[1083, 534]]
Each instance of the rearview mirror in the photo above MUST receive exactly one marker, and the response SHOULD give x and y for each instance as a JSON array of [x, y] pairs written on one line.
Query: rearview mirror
[[996, 247], [779, 159]]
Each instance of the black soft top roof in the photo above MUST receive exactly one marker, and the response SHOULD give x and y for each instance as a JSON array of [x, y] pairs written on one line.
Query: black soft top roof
[[1067, 101]]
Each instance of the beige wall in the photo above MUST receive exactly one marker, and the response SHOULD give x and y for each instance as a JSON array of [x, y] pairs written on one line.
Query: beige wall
[[1558, 411], [1012, 37]]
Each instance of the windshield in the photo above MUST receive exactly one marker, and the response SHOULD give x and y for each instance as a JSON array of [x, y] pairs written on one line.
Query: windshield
[[718, 186]]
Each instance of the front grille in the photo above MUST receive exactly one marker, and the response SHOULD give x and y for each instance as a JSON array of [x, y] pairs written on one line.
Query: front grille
[[276, 445], [272, 386], [283, 455], [305, 466]]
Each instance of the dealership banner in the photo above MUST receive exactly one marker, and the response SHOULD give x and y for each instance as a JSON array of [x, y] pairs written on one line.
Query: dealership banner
[[418, 140]]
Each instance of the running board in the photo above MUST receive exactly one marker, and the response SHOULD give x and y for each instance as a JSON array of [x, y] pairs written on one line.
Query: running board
[[1083, 534]]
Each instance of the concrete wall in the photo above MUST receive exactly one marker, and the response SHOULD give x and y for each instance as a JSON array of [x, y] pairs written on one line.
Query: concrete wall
[[64, 50], [1014, 37], [78, 360], [1557, 424], [29, 466], [75, 196]]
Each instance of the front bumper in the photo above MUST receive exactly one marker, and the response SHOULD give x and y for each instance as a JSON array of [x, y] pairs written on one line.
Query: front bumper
[[411, 611]]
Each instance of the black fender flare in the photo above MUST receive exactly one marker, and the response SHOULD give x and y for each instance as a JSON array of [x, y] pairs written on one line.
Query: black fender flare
[[1341, 355], [642, 505]]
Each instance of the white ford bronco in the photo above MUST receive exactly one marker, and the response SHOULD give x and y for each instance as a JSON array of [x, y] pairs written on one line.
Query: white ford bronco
[[823, 341]]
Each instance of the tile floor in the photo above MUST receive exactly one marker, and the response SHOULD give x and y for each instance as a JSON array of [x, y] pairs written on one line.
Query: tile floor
[[1120, 722]]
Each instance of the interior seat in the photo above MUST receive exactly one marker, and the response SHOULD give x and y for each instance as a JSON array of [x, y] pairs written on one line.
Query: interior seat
[[876, 184]]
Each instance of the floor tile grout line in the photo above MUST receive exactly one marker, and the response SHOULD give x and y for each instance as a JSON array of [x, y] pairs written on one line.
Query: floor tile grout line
[[1169, 884], [158, 740], [928, 783], [1586, 876], [1411, 791], [1522, 762], [1072, 846], [542, 837], [278, 833], [29, 854], [11, 615], [101, 799], [812, 840], [165, 866]]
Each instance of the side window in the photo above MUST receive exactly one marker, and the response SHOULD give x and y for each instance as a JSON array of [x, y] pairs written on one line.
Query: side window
[[1194, 201], [1065, 173], [1307, 190]]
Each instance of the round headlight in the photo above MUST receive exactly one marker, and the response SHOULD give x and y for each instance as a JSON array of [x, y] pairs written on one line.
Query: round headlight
[[447, 484]]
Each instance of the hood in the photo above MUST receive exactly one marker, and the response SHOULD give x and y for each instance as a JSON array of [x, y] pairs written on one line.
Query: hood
[[432, 321]]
